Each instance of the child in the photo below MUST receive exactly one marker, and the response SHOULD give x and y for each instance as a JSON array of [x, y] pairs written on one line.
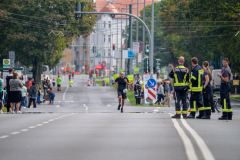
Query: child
[[24, 94], [53, 82], [70, 82], [39, 95], [51, 96], [33, 95]]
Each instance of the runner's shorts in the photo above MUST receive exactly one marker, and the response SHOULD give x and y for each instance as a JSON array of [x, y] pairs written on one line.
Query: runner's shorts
[[124, 95], [59, 85]]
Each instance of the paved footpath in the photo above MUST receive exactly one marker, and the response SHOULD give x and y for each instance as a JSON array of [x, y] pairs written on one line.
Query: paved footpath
[[84, 124]]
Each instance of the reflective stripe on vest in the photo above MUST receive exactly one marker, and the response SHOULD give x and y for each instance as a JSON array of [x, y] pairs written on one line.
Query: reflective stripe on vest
[[176, 82], [199, 88]]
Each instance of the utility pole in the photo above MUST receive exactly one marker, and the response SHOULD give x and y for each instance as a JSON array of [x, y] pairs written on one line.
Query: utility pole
[[117, 48], [143, 45], [121, 39], [152, 46], [137, 37], [130, 36]]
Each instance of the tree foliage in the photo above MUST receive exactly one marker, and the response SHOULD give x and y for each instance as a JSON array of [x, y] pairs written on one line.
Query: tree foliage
[[38, 31]]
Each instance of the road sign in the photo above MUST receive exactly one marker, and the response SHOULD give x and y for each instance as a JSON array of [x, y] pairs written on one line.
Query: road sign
[[83, 67], [80, 66], [151, 83], [152, 94], [135, 47], [6, 63]]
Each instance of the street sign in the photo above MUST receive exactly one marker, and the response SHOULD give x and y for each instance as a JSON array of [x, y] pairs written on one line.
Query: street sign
[[151, 83], [80, 66], [83, 67], [117, 55], [135, 47], [6, 63], [130, 54]]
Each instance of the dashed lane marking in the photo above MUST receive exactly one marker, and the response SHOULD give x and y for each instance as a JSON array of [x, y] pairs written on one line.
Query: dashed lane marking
[[24, 130], [39, 125], [64, 94], [15, 133], [32, 127], [57, 106], [189, 149], [69, 101], [5, 136]]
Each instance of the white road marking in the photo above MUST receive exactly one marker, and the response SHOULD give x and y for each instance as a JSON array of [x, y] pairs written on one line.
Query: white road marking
[[15, 133], [32, 127], [57, 106], [5, 136], [39, 125], [200, 142], [64, 94], [59, 101], [45, 122], [155, 110], [69, 101], [24, 130], [51, 120], [189, 149]]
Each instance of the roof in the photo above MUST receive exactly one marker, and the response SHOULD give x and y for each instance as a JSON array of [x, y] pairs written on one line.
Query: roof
[[116, 8]]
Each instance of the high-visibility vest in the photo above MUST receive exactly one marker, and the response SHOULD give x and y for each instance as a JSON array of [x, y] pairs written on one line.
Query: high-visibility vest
[[176, 80], [199, 87]]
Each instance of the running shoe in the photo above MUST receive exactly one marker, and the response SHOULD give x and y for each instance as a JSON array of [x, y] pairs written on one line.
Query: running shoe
[[119, 107], [12, 112], [1, 112], [121, 110], [19, 112]]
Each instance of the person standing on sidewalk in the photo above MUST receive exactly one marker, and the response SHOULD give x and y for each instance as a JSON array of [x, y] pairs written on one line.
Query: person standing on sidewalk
[[24, 94], [32, 95], [16, 95], [9, 76], [160, 93], [224, 91], [51, 96], [196, 87], [122, 85], [45, 87], [167, 94]]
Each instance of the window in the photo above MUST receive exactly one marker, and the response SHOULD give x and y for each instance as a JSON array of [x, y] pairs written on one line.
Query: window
[[109, 38], [104, 24], [109, 24]]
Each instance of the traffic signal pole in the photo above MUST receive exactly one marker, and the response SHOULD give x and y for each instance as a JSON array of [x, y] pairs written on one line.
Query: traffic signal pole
[[148, 31]]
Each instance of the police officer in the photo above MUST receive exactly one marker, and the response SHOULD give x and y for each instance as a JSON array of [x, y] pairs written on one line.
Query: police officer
[[224, 90], [181, 78], [196, 88], [207, 90]]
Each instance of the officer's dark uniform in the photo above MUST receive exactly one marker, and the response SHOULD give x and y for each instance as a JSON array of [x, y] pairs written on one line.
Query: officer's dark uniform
[[207, 96], [181, 78], [196, 88], [224, 94], [137, 90]]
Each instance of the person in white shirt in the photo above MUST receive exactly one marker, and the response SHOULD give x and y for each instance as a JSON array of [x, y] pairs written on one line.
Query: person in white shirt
[[24, 94], [137, 90], [160, 93]]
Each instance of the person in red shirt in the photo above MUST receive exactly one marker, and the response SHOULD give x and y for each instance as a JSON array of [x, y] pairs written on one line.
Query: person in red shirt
[[73, 72], [64, 70], [30, 84], [68, 70], [59, 72]]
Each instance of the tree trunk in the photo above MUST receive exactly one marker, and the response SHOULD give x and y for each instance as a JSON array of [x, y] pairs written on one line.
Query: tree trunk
[[37, 71]]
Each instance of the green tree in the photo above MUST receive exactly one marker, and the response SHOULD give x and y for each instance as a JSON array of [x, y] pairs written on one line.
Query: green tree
[[39, 32]]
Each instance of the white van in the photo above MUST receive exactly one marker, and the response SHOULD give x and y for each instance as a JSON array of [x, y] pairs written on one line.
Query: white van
[[216, 81]]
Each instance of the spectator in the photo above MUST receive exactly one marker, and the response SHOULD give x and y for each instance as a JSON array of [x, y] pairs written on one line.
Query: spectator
[[45, 87], [39, 95], [8, 78], [167, 94], [53, 82], [1, 94], [137, 89], [69, 76], [16, 95], [51, 96], [32, 95], [24, 94], [30, 84], [160, 93], [49, 86]]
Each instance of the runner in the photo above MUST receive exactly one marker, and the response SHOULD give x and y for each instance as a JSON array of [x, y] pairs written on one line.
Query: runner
[[73, 72], [122, 85], [59, 82], [64, 71]]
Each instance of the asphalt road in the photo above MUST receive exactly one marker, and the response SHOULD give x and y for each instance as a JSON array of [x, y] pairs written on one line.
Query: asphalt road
[[84, 124]]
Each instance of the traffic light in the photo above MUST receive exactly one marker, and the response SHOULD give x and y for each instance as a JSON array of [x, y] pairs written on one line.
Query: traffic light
[[147, 48], [146, 65], [113, 46], [79, 8]]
